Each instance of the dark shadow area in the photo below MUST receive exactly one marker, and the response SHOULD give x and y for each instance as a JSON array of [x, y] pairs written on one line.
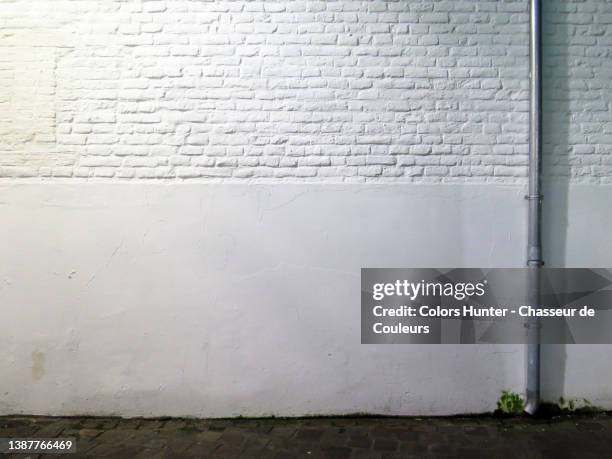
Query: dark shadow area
[[556, 166]]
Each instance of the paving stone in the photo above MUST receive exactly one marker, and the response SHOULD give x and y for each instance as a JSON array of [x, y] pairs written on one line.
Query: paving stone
[[115, 450], [309, 434], [87, 433], [385, 444], [331, 436], [116, 436], [155, 444], [381, 431], [359, 441], [18, 427], [51, 429], [84, 445], [177, 424], [589, 426], [283, 455], [337, 452], [262, 428], [129, 424], [405, 434], [412, 448], [100, 423], [152, 454], [202, 449], [256, 441], [228, 451], [233, 436], [282, 431], [218, 426]]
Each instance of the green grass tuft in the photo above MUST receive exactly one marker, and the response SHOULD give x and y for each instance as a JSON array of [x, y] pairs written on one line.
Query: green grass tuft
[[511, 403]]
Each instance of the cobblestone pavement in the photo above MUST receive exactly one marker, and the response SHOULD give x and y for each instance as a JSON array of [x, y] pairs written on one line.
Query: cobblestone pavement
[[475, 437]]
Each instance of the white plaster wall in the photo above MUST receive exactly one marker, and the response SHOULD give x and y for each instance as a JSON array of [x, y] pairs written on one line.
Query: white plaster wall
[[576, 233], [223, 300]]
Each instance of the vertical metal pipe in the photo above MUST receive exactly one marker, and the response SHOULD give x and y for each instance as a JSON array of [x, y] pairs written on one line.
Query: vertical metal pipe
[[534, 244]]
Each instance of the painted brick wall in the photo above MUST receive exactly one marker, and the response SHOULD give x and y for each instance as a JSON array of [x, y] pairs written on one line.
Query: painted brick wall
[[298, 90], [578, 90]]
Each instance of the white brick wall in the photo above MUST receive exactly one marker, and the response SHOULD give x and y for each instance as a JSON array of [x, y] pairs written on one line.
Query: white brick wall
[[578, 90], [298, 90]]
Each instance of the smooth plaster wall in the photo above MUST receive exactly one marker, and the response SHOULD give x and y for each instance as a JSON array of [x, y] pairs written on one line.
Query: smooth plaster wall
[[223, 300]]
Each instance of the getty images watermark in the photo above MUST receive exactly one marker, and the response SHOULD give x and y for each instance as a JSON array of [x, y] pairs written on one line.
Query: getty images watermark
[[468, 306]]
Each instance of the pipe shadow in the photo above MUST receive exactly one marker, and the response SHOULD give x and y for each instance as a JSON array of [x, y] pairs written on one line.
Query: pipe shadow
[[556, 168]]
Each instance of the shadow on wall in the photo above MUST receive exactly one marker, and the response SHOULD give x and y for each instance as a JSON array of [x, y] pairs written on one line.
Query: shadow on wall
[[556, 171]]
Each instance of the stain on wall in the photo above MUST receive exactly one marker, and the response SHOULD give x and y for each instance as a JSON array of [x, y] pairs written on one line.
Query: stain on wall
[[38, 365]]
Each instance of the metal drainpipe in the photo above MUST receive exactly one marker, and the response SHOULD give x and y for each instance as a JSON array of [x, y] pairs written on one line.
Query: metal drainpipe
[[534, 253]]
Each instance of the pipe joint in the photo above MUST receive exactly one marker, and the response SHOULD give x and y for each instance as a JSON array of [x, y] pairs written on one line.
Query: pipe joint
[[536, 263], [534, 256]]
